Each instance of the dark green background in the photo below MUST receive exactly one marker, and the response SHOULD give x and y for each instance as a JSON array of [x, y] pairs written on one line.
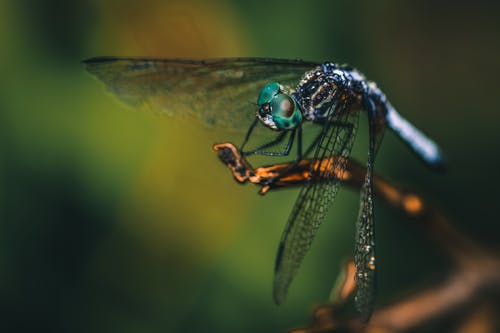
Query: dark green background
[[119, 221]]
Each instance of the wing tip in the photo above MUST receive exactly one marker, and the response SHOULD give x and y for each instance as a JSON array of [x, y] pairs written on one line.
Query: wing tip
[[280, 288], [365, 311], [279, 294]]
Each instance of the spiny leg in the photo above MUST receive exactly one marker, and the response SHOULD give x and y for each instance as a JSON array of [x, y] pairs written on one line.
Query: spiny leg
[[349, 128], [249, 132], [279, 139]]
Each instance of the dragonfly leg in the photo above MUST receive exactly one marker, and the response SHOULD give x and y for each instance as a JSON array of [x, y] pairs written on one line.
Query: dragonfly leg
[[349, 127], [299, 143], [249, 132], [260, 150]]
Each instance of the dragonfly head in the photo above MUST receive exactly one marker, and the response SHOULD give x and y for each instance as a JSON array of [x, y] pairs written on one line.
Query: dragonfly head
[[277, 109]]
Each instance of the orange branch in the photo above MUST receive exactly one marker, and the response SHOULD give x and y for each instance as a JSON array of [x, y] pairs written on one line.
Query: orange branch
[[473, 282]]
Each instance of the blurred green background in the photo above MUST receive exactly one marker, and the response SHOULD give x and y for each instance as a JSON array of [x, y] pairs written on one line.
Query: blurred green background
[[119, 221]]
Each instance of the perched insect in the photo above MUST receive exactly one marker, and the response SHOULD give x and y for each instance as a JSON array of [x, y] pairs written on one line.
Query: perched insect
[[290, 93]]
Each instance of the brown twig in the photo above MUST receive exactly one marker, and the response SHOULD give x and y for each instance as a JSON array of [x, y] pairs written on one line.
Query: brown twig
[[472, 285]]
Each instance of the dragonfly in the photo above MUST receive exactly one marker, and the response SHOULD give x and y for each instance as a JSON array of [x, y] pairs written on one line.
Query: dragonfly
[[281, 97]]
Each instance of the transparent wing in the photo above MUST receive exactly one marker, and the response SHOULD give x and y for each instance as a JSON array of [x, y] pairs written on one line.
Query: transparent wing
[[364, 249], [364, 252], [219, 91], [314, 199]]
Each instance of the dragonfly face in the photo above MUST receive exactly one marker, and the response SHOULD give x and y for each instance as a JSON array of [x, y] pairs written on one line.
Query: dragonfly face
[[277, 109]]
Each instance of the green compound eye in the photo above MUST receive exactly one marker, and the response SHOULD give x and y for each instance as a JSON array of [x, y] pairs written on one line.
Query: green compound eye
[[285, 112], [267, 94], [277, 110]]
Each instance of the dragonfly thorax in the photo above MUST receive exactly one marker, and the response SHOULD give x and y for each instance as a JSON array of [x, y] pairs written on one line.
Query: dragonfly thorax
[[278, 110], [322, 88], [317, 93]]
